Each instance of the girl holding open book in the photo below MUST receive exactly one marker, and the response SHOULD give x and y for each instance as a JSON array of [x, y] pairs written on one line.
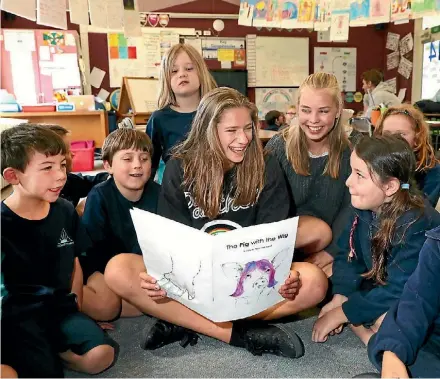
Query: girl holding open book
[[219, 179]]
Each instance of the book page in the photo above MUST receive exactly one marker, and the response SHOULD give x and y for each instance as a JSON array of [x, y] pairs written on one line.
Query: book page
[[249, 266], [180, 261]]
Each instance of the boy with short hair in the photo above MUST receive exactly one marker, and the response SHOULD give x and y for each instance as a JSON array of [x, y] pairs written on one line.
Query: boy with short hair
[[42, 326], [77, 185], [127, 158]]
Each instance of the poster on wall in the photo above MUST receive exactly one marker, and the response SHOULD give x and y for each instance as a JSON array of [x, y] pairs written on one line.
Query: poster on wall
[[323, 15], [230, 52], [400, 10], [379, 11], [359, 12], [420, 8], [123, 58], [269, 99], [338, 61]]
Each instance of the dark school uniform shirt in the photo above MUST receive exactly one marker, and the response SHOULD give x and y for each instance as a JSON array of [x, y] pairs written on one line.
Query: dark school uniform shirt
[[167, 128], [177, 204], [316, 195], [38, 255], [415, 319], [108, 222], [78, 186], [272, 127], [365, 306], [429, 183]]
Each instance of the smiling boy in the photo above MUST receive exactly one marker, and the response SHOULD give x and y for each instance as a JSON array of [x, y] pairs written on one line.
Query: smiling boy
[[42, 237], [127, 158]]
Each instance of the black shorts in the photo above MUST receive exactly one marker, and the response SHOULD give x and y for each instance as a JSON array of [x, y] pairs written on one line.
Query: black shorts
[[31, 346]]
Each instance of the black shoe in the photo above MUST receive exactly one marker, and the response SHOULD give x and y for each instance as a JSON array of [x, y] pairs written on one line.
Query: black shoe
[[162, 333], [368, 375], [259, 339]]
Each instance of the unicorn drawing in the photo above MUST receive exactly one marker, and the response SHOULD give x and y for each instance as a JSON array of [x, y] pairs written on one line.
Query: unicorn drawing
[[254, 279]]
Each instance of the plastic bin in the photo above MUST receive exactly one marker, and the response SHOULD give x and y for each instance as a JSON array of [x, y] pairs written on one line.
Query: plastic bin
[[83, 155]]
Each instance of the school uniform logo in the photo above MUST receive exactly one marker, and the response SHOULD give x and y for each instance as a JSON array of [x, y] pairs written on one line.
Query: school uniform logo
[[65, 240], [226, 205]]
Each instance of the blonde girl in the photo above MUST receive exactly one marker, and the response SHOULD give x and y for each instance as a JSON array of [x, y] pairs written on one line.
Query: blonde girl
[[184, 79], [220, 179], [315, 159], [408, 122]]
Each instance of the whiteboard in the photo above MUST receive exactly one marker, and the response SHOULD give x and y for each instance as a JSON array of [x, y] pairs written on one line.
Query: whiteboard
[[281, 61]]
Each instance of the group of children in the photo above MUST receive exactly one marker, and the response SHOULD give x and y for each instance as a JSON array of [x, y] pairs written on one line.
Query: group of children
[[62, 272]]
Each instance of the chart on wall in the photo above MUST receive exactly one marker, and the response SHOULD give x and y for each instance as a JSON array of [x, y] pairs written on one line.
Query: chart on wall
[[269, 99], [123, 58], [140, 56], [338, 61]]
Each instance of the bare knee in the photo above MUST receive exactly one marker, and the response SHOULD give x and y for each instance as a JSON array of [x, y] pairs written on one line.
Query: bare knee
[[313, 234], [98, 359], [314, 282], [122, 272], [99, 301]]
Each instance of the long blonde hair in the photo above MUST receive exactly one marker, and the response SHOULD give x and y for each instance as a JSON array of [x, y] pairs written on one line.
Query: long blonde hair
[[166, 94], [423, 149], [204, 162], [296, 141]]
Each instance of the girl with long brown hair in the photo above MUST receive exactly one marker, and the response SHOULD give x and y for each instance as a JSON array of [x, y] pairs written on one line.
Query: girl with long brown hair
[[379, 249], [183, 80], [315, 160], [409, 122], [218, 180]]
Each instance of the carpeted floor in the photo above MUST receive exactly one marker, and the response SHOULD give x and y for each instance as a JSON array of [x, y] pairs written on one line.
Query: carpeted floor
[[341, 356]]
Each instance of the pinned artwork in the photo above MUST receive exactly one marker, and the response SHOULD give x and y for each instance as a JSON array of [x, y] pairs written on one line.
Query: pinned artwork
[[164, 19], [53, 39], [153, 19]]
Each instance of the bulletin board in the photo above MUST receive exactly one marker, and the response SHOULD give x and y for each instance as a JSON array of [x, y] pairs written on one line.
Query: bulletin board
[[36, 63], [281, 61]]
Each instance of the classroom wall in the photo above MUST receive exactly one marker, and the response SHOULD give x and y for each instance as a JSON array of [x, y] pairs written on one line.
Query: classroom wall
[[370, 40]]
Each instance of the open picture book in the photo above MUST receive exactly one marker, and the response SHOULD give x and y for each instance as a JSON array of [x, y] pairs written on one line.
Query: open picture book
[[225, 277]]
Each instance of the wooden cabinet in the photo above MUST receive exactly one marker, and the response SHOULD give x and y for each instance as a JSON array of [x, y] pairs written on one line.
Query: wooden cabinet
[[83, 125]]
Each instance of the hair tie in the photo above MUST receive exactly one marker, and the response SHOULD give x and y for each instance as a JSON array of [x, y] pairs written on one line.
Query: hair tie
[[405, 186]]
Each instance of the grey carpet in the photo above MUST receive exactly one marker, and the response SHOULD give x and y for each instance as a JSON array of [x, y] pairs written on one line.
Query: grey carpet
[[341, 356]]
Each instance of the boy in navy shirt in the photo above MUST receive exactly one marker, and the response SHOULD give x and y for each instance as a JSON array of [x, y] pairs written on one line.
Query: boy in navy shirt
[[127, 158], [42, 326]]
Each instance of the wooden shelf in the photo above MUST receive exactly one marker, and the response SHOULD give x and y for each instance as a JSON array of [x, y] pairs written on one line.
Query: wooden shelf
[[83, 125]]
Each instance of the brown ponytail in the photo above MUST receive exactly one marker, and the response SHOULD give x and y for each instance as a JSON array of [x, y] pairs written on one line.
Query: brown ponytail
[[389, 157]]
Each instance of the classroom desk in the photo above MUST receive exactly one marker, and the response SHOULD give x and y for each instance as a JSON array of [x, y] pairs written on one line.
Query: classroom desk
[[83, 125], [266, 135]]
